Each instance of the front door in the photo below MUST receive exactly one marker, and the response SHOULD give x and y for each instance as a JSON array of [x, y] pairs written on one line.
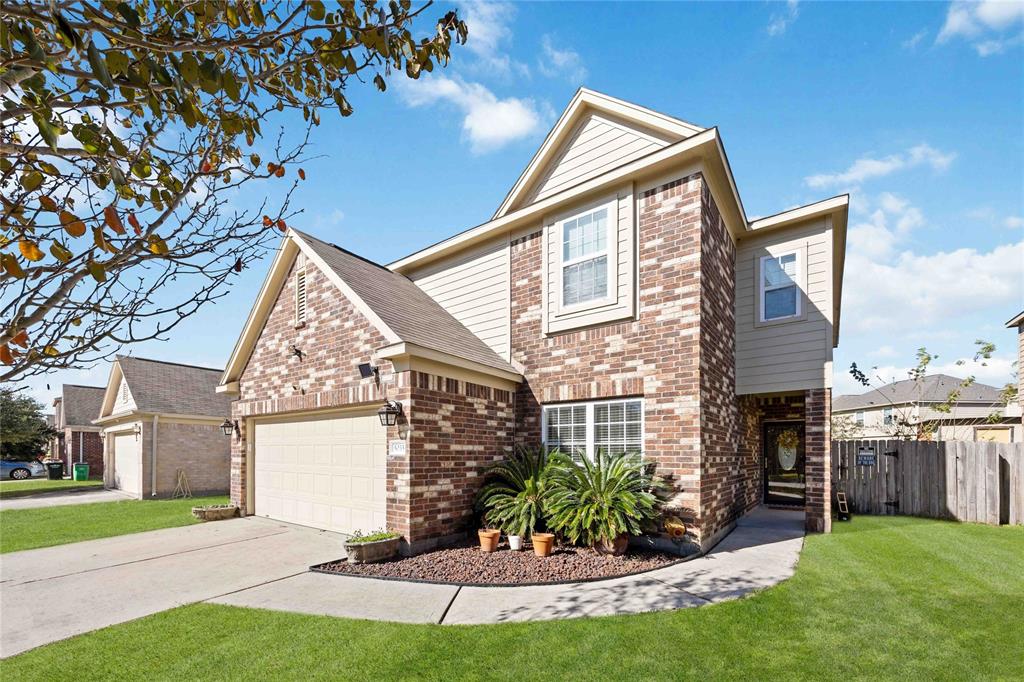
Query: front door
[[784, 463]]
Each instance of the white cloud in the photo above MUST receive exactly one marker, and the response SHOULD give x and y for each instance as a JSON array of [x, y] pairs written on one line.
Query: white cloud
[[490, 34], [488, 123], [866, 168], [985, 24], [915, 40], [780, 21], [560, 62], [911, 292], [1013, 222], [328, 219]]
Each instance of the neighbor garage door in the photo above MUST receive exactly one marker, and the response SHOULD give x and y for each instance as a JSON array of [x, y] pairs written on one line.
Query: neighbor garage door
[[127, 460], [325, 471]]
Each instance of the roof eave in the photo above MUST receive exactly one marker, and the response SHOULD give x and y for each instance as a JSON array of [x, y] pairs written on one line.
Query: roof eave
[[405, 348]]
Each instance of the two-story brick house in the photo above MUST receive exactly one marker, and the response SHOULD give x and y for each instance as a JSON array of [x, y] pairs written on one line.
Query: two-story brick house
[[619, 298]]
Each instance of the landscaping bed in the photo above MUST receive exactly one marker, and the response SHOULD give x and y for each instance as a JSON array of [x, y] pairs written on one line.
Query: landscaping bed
[[467, 565]]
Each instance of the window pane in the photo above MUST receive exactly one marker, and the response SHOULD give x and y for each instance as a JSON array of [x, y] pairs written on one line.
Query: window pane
[[567, 428], [617, 427], [585, 235], [585, 281], [780, 303], [779, 272]]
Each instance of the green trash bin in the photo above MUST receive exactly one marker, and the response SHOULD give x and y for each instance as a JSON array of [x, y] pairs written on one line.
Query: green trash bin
[[80, 472]]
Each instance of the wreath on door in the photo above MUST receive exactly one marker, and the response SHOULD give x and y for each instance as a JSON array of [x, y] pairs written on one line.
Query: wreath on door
[[787, 443]]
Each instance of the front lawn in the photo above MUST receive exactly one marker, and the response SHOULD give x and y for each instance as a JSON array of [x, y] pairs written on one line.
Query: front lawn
[[46, 526], [881, 598], [37, 486]]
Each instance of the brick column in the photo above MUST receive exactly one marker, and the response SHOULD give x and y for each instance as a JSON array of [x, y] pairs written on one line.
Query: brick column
[[239, 470], [818, 412]]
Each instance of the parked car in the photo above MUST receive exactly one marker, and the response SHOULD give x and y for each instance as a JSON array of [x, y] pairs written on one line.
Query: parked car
[[20, 470]]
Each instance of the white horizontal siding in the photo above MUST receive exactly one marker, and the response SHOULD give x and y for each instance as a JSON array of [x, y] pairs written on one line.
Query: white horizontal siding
[[794, 355], [598, 144], [473, 286]]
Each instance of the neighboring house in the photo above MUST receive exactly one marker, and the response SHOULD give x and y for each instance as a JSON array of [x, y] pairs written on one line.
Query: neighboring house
[[161, 417], [904, 408], [1018, 322], [618, 299], [78, 439]]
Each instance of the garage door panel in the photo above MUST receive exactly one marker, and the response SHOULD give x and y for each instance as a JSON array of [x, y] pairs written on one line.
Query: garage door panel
[[326, 472], [127, 461]]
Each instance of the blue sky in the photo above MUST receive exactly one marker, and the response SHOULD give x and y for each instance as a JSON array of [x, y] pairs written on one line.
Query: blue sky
[[916, 109]]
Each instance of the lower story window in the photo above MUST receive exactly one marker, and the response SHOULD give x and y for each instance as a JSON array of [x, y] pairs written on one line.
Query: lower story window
[[583, 429]]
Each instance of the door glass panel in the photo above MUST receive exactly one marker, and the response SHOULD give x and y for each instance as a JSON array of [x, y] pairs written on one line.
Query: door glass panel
[[784, 463]]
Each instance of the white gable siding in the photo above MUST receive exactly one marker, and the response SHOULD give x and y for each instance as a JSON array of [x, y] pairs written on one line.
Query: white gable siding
[[123, 401], [598, 144], [791, 355], [474, 287]]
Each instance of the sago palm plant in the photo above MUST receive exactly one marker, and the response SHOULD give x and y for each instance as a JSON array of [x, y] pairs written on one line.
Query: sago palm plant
[[598, 501], [513, 496]]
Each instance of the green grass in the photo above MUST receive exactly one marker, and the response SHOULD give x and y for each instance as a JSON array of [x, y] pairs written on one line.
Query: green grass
[[881, 598], [25, 488], [46, 526]]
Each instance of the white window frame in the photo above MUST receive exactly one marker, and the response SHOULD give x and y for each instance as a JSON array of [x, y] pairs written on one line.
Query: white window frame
[[610, 253], [591, 449], [797, 282]]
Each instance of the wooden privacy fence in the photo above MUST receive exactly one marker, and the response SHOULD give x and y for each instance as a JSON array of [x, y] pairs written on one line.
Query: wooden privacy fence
[[966, 481]]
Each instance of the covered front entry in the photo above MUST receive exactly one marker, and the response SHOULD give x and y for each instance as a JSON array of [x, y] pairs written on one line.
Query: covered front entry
[[784, 463], [325, 471], [128, 462]]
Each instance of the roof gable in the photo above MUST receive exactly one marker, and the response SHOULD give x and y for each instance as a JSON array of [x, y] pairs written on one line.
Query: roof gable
[[79, 404], [156, 387], [934, 388], [401, 311], [594, 134]]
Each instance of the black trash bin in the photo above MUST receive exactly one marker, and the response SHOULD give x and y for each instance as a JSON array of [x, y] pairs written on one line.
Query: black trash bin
[[55, 470]]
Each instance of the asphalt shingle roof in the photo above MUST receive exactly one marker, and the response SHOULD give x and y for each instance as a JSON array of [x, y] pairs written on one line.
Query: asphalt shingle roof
[[80, 404], [170, 388], [934, 388], [408, 310]]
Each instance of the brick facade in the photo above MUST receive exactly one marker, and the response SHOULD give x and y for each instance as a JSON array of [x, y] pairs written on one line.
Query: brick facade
[[82, 446], [201, 450]]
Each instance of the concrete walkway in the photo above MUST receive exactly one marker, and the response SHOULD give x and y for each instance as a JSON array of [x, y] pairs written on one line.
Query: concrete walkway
[[762, 551], [53, 593], [59, 498]]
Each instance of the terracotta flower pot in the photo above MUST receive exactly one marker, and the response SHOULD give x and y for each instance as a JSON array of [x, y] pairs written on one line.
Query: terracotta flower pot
[[615, 547], [489, 539], [543, 543]]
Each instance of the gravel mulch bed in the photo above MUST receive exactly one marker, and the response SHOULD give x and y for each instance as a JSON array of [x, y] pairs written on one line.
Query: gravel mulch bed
[[467, 565]]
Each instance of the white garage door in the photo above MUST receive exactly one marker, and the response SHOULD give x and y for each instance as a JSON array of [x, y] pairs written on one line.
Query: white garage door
[[327, 471], [127, 459]]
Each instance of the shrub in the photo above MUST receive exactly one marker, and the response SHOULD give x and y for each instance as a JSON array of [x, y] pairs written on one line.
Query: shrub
[[358, 537], [596, 501], [514, 491]]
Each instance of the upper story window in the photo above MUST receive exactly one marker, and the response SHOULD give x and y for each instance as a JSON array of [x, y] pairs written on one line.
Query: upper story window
[[582, 429], [887, 416], [859, 417], [300, 298], [585, 257], [779, 286]]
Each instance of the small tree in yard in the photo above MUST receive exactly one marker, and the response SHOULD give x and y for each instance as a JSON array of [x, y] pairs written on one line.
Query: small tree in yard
[[127, 127], [906, 418], [844, 427], [23, 428]]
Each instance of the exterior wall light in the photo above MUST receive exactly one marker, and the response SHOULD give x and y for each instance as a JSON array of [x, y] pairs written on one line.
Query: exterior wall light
[[389, 413], [227, 426]]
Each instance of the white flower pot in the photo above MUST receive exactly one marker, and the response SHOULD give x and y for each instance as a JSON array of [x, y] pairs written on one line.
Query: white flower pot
[[515, 542]]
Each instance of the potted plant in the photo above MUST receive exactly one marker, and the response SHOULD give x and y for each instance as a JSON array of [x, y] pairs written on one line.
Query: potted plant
[[489, 538], [543, 544], [514, 492], [368, 548], [602, 502]]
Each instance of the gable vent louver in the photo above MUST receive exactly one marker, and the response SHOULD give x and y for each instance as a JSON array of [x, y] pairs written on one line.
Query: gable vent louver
[[300, 297]]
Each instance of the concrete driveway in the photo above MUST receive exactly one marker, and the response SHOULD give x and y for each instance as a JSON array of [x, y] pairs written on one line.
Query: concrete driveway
[[53, 593]]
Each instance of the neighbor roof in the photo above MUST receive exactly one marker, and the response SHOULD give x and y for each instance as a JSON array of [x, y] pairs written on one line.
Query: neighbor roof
[[405, 309], [933, 389], [1016, 321], [80, 404], [171, 388]]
